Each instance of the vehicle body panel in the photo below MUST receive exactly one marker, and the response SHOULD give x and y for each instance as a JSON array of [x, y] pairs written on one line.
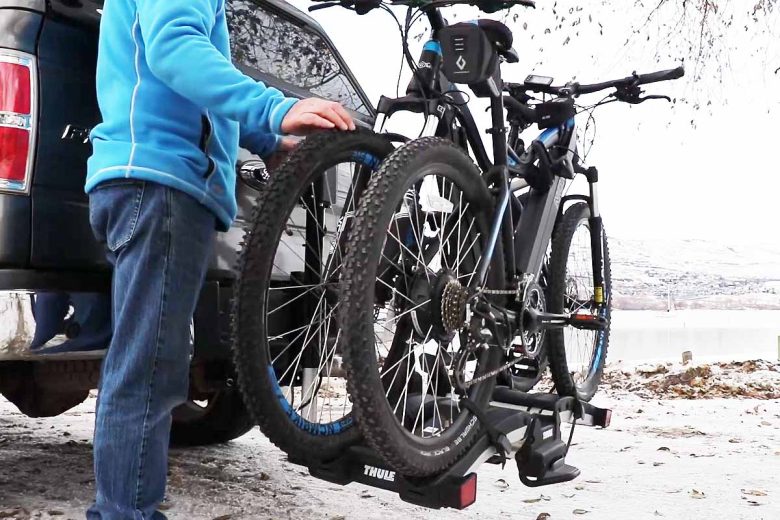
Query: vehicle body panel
[[53, 273]]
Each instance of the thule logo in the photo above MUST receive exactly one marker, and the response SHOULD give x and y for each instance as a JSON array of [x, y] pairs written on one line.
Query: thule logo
[[379, 473]]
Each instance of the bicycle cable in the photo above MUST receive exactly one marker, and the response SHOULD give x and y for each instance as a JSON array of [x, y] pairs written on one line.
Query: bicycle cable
[[403, 56], [412, 16], [591, 118]]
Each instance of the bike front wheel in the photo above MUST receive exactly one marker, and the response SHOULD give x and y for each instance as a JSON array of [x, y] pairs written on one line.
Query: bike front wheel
[[287, 340], [577, 356]]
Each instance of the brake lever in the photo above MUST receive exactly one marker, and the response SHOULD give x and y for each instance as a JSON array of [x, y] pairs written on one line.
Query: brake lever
[[632, 94], [667, 98], [637, 99], [323, 6]]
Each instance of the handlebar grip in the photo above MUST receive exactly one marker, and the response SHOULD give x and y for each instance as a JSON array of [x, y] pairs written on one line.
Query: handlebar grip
[[663, 75], [317, 7]]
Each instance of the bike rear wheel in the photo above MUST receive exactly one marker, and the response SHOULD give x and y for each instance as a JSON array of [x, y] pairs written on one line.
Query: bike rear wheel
[[577, 356], [287, 342], [420, 230]]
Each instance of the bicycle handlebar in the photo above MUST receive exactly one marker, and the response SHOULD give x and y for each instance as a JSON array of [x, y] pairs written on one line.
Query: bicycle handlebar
[[364, 6], [631, 81], [576, 89]]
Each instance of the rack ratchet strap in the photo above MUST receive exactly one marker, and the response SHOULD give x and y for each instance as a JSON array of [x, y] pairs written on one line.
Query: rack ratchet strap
[[498, 439]]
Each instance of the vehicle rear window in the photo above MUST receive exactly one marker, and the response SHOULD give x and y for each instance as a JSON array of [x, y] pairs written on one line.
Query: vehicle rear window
[[271, 44]]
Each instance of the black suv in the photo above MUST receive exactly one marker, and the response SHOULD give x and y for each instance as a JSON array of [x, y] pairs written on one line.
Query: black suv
[[55, 316]]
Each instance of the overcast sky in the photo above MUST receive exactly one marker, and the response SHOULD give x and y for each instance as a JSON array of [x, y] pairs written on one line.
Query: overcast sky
[[661, 176]]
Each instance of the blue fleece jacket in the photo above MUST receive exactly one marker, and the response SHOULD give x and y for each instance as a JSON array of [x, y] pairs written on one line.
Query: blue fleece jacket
[[173, 105]]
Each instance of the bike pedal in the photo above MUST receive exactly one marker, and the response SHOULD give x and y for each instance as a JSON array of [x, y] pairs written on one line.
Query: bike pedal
[[588, 322]]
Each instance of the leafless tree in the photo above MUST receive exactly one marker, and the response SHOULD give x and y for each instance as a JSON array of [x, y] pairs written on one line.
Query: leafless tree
[[702, 26]]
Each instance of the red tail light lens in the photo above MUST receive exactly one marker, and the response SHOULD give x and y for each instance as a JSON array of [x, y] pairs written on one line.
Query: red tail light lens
[[14, 149], [468, 491], [16, 120], [15, 88]]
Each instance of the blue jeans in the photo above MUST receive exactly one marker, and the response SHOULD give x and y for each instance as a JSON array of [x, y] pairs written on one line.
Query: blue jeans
[[159, 241]]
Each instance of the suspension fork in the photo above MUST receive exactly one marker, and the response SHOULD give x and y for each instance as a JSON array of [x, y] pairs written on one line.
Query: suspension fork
[[596, 237]]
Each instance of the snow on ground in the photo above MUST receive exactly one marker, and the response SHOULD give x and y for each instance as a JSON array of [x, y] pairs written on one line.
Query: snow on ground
[[664, 456]]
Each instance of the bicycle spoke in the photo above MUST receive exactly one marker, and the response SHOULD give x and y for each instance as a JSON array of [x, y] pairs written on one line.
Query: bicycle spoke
[[306, 341], [291, 300], [417, 256], [395, 291], [442, 245], [416, 237]]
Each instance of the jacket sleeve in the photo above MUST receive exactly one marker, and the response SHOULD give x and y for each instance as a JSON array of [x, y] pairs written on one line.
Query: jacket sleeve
[[259, 143], [179, 52]]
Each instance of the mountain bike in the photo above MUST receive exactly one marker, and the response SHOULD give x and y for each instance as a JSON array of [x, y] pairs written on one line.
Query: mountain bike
[[450, 279], [287, 342]]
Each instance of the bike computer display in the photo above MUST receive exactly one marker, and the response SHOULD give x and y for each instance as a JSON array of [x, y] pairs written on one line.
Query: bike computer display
[[538, 81]]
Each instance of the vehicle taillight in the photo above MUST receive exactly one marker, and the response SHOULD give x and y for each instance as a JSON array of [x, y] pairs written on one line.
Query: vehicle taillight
[[14, 149], [17, 113]]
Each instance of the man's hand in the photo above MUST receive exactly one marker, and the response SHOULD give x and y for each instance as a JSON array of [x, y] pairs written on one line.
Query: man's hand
[[309, 115]]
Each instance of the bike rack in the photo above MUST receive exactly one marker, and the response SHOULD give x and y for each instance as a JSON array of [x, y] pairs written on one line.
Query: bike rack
[[524, 426]]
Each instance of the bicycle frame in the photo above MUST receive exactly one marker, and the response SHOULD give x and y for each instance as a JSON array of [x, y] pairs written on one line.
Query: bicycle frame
[[541, 212], [525, 246]]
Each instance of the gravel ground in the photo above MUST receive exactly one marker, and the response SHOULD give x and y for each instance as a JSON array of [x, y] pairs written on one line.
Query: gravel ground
[[665, 456]]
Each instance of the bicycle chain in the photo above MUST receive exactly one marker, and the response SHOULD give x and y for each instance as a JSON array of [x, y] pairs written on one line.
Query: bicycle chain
[[518, 293], [465, 385], [503, 292]]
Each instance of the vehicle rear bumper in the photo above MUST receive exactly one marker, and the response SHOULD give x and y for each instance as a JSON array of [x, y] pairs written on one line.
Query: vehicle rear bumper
[[55, 315]]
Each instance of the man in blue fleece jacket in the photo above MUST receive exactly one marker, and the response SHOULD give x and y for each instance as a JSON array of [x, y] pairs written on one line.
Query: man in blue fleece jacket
[[161, 181]]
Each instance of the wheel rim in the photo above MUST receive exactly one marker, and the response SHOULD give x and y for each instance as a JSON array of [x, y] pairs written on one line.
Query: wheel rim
[[302, 334], [581, 345], [432, 246]]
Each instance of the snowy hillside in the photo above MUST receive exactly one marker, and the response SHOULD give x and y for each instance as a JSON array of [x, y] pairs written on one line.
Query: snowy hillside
[[694, 274]]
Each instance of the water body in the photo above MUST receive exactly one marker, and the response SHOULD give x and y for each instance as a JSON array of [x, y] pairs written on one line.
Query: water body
[[711, 335]]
